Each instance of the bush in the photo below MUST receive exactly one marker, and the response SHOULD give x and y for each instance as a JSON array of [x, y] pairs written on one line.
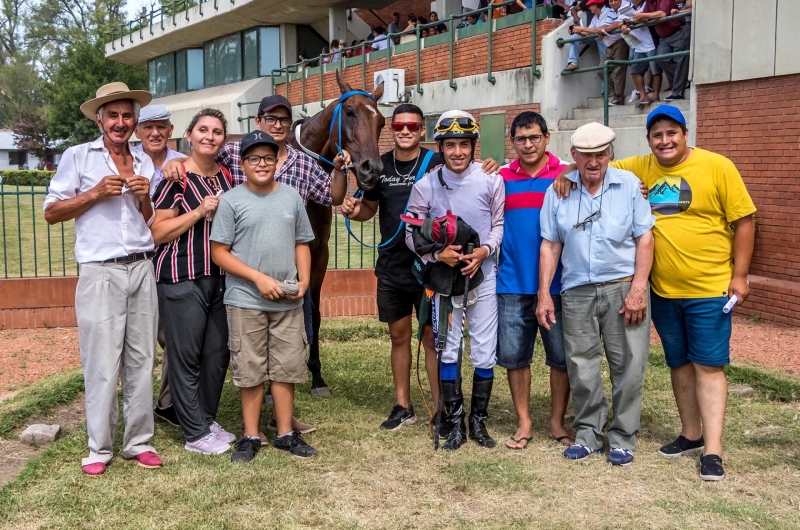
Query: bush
[[26, 177]]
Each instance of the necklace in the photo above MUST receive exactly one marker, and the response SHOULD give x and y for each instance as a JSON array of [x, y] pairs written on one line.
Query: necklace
[[394, 163]]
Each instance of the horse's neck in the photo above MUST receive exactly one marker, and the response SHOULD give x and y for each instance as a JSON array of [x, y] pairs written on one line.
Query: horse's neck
[[314, 134]]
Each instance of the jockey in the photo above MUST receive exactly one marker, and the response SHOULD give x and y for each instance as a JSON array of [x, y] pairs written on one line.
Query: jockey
[[478, 199]]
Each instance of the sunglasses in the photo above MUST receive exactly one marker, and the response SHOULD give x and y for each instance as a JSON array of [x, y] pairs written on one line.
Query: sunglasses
[[457, 124], [413, 126]]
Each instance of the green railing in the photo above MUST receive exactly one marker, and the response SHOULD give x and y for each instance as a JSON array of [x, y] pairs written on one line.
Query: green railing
[[301, 70], [610, 64], [33, 248]]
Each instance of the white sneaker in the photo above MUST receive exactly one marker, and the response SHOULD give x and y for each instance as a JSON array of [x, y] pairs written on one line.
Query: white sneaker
[[634, 96], [207, 445], [221, 434]]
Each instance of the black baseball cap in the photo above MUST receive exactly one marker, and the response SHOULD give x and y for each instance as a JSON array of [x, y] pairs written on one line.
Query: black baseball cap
[[271, 102], [255, 138]]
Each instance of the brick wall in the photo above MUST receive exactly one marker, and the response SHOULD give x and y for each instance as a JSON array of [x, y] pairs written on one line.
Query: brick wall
[[50, 302], [511, 50], [756, 123], [420, 8]]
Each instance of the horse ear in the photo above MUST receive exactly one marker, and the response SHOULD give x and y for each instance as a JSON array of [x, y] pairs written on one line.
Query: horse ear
[[344, 87], [378, 92]]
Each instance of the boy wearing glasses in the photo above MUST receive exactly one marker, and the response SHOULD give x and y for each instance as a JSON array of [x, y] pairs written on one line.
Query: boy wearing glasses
[[526, 181], [399, 293], [260, 238], [603, 236]]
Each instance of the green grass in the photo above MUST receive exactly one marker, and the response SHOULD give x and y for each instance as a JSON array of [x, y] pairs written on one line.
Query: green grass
[[366, 478], [51, 251], [31, 247], [39, 399]]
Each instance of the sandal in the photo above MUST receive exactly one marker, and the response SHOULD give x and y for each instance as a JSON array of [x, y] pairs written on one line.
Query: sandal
[[527, 440], [560, 439]]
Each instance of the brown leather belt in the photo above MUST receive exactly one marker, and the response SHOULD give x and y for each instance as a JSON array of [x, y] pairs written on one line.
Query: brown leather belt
[[619, 280]]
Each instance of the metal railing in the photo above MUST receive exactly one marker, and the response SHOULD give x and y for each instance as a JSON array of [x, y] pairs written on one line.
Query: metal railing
[[302, 67], [33, 248], [171, 11], [605, 66]]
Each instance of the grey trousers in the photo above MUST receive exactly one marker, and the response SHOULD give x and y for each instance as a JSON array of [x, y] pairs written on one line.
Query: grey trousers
[[676, 69], [591, 315], [196, 331], [117, 310]]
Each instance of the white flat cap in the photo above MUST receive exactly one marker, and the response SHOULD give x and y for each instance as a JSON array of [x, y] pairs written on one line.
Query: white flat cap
[[154, 113], [592, 138]]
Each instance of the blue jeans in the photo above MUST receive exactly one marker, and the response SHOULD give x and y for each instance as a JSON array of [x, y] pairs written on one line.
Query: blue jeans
[[516, 333], [693, 330], [575, 49]]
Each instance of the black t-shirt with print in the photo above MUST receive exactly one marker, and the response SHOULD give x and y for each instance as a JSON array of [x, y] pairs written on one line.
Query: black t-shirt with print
[[391, 193]]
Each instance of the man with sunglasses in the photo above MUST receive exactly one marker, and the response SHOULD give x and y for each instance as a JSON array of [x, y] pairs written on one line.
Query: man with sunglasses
[[603, 237], [399, 293]]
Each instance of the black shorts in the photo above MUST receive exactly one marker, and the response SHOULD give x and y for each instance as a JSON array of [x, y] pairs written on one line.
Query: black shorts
[[398, 297]]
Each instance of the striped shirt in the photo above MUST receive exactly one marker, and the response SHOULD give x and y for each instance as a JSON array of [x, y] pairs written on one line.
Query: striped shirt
[[188, 257], [299, 171], [518, 269]]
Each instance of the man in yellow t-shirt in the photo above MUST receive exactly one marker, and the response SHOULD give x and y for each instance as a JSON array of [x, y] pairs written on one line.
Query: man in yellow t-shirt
[[699, 264]]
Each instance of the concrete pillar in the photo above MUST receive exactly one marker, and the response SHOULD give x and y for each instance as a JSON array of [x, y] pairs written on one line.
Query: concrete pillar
[[446, 8], [289, 49], [337, 23]]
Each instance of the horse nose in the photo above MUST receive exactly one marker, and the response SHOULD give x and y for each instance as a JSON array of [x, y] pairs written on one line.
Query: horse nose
[[368, 172]]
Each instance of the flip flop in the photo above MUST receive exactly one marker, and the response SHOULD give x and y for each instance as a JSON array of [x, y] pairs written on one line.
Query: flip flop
[[561, 439], [527, 440]]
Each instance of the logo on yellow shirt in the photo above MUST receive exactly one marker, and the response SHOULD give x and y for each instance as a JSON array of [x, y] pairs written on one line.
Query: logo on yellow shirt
[[670, 195]]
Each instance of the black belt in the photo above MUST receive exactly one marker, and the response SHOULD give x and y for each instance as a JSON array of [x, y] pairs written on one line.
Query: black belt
[[130, 258]]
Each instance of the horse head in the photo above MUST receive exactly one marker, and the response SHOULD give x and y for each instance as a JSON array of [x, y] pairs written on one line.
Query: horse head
[[361, 126]]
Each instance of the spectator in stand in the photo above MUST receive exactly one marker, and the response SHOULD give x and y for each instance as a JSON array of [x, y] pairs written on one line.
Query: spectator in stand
[[598, 10], [674, 36], [643, 47], [335, 51], [616, 50], [561, 8], [525, 4], [323, 57], [434, 16], [412, 24], [379, 41], [394, 27]]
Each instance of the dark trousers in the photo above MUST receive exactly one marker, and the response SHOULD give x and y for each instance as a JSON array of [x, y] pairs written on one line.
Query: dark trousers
[[676, 69], [196, 333]]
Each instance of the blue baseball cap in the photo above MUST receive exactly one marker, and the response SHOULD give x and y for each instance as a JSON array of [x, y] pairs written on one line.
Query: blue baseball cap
[[665, 111]]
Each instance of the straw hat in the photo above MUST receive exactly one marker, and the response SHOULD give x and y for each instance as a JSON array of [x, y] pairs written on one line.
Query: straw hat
[[114, 92]]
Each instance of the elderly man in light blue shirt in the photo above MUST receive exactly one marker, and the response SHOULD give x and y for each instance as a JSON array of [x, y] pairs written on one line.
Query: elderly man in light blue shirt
[[603, 236], [154, 129]]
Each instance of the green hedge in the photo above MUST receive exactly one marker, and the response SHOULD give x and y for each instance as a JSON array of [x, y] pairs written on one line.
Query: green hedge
[[26, 177]]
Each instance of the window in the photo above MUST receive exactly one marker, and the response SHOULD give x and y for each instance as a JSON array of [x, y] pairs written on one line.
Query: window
[[250, 44], [270, 50], [161, 73], [209, 64], [228, 59], [17, 158], [309, 43], [430, 125], [194, 69], [180, 71]]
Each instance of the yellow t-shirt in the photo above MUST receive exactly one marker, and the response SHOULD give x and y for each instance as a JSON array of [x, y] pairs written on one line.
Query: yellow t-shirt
[[694, 204]]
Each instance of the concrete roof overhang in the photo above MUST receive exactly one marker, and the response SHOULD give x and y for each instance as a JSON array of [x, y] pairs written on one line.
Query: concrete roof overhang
[[230, 16]]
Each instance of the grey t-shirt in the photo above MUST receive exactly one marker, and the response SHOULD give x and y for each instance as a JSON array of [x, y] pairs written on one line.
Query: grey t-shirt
[[262, 230]]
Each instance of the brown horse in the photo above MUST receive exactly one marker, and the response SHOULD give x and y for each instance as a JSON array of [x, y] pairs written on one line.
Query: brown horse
[[362, 124]]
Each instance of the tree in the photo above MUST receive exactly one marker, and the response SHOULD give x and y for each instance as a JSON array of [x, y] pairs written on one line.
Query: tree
[[12, 14], [83, 70], [31, 135], [21, 92]]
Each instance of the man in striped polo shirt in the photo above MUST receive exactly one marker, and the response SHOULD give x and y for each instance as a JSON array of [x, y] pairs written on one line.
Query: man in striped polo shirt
[[526, 180]]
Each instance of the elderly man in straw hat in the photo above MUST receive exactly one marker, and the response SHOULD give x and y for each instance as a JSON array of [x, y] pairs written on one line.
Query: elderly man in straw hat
[[106, 187], [603, 236]]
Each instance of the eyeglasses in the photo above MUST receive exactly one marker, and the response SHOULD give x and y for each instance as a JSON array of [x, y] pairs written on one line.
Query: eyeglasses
[[255, 160], [413, 126], [535, 139], [456, 124], [591, 219], [271, 120]]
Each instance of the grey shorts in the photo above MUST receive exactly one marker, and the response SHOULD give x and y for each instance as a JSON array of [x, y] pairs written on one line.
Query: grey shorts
[[267, 345], [641, 68]]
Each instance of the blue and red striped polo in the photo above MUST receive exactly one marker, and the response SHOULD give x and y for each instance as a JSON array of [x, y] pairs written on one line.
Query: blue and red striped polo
[[518, 270]]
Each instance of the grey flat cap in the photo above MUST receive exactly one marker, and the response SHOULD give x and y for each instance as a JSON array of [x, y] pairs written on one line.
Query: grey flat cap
[[154, 113]]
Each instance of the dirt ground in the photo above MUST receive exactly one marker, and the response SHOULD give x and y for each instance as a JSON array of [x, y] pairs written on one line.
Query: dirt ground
[[27, 355]]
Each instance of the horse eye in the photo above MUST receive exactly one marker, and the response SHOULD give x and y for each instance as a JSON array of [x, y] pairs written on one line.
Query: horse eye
[[349, 112]]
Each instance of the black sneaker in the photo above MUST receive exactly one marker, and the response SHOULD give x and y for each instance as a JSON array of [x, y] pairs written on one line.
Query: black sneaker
[[673, 97], [295, 444], [399, 417], [168, 415], [711, 468], [682, 446], [246, 449]]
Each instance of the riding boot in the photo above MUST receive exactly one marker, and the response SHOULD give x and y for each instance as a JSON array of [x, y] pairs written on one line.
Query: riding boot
[[453, 420], [481, 392]]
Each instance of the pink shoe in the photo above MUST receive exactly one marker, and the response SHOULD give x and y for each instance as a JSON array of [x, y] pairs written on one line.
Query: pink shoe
[[94, 470], [148, 459]]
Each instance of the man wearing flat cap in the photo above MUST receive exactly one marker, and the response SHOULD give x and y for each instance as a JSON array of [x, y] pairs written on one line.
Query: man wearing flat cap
[[603, 236], [154, 129], [106, 186]]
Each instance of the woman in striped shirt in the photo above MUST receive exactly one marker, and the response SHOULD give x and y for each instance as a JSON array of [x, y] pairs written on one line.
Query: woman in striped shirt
[[191, 287]]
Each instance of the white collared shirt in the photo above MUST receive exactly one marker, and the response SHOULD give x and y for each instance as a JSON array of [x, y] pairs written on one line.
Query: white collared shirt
[[113, 227]]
